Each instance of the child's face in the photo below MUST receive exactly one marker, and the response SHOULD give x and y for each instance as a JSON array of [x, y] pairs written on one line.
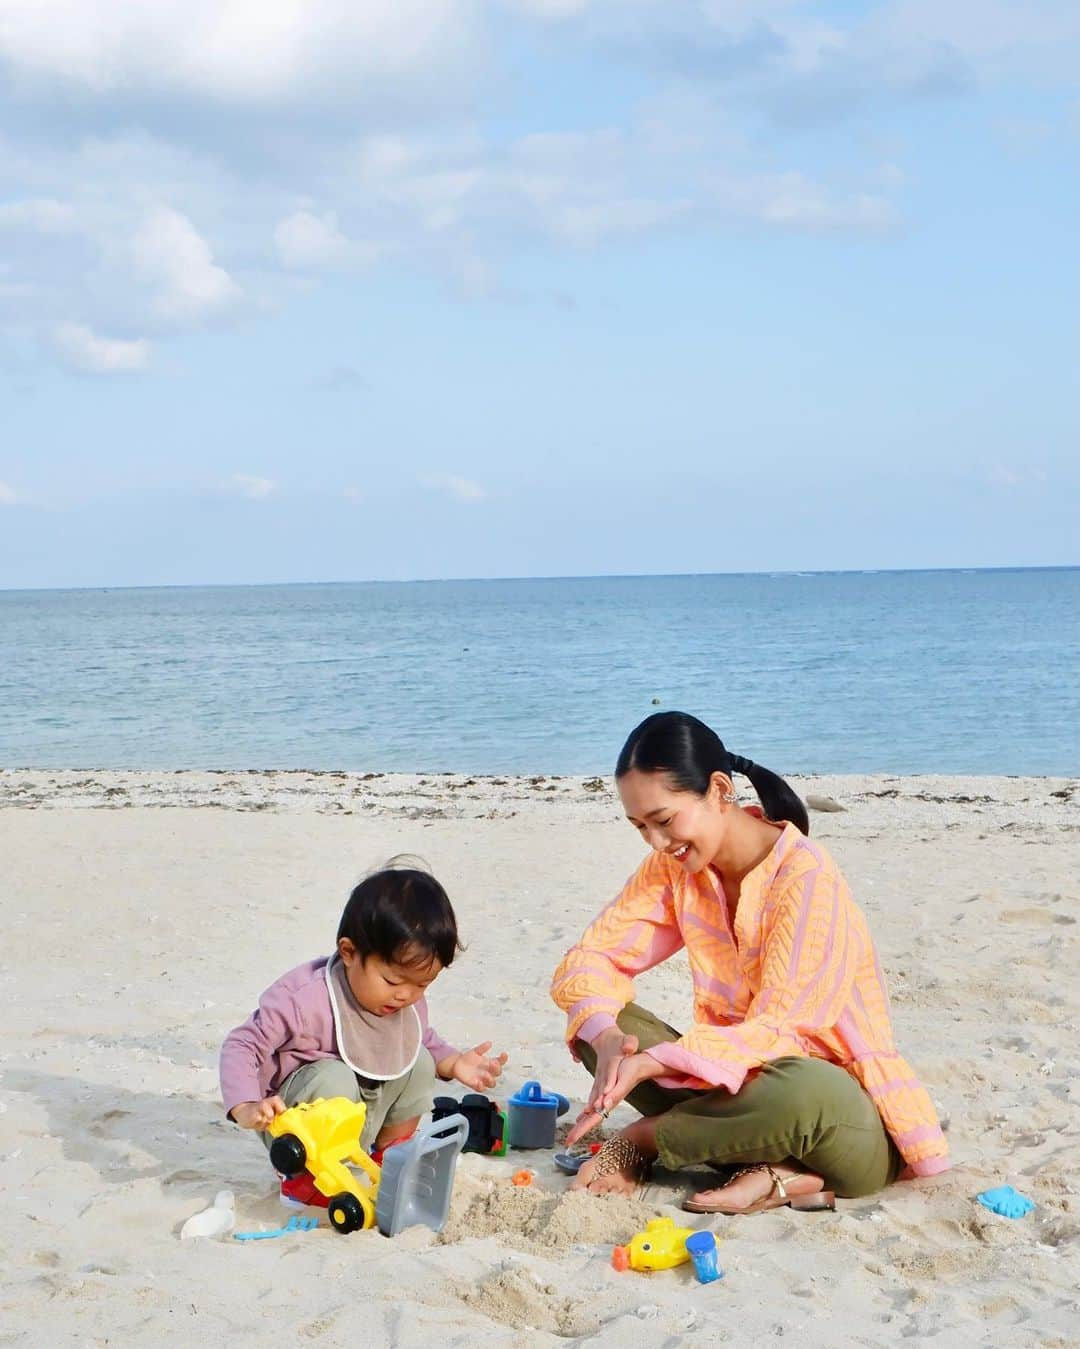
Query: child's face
[[384, 987]]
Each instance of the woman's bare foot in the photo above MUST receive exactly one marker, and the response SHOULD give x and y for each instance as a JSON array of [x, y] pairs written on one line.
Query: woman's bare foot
[[756, 1190], [618, 1182], [642, 1133]]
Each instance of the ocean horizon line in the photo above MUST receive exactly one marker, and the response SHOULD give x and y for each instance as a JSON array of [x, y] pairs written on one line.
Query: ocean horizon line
[[794, 573], [932, 670]]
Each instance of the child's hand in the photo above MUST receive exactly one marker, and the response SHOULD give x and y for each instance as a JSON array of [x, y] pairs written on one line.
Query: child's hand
[[474, 1069], [258, 1114]]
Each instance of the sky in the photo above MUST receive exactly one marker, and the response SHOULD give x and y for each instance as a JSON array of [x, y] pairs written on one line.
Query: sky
[[341, 290]]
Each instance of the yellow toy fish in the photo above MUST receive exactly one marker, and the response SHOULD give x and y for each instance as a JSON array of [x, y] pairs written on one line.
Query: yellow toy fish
[[661, 1246]]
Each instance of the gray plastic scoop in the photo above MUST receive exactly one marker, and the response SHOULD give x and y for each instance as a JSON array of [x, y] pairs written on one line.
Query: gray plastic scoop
[[418, 1177]]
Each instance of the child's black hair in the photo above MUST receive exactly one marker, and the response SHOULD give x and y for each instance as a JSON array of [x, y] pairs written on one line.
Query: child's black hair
[[401, 914]]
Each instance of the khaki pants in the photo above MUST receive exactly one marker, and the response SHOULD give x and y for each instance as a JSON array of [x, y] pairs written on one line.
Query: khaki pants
[[802, 1110], [402, 1098]]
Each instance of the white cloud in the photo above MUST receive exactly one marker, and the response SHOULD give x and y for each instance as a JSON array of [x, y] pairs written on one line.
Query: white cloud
[[235, 50], [574, 189], [458, 489], [239, 201], [307, 242], [117, 242], [40, 215], [581, 189], [791, 201], [1039, 37], [81, 349], [550, 9], [8, 496], [341, 379], [252, 487], [1004, 475], [173, 259], [586, 224]]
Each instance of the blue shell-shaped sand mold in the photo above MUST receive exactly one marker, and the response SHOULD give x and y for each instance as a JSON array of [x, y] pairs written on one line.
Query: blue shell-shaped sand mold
[[1005, 1200]]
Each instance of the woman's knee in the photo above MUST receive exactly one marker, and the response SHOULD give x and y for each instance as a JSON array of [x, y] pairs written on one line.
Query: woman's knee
[[839, 1131], [819, 1089]]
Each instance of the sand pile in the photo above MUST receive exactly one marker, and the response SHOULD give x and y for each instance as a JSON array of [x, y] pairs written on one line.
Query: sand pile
[[530, 1220], [521, 1299]]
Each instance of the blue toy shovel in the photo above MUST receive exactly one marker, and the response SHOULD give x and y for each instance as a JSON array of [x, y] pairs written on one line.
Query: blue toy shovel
[[295, 1224]]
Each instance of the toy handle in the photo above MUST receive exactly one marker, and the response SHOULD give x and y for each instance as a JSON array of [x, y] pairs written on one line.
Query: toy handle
[[533, 1091], [453, 1126]]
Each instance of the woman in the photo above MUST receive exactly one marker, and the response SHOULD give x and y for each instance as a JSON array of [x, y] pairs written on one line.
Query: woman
[[789, 1075]]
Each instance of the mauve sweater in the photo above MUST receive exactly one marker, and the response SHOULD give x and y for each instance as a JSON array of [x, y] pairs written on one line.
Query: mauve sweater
[[293, 1025]]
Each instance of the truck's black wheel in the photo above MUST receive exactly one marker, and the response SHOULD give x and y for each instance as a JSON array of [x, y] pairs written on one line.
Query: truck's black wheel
[[288, 1155], [346, 1213]]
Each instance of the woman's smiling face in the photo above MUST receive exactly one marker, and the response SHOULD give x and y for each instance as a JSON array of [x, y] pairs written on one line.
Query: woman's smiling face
[[686, 826]]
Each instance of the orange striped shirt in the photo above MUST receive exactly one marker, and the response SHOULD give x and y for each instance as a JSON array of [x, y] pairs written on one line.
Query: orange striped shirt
[[798, 975]]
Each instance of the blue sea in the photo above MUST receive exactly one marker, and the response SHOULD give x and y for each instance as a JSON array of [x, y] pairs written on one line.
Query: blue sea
[[898, 672]]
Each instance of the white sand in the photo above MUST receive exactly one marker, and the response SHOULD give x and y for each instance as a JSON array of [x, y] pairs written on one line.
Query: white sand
[[136, 934]]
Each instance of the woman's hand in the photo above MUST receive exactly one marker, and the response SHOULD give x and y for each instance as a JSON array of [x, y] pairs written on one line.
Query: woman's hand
[[612, 1048], [257, 1114], [474, 1068], [631, 1072]]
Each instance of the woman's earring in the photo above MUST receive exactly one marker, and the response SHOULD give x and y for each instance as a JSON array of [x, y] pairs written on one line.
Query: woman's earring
[[730, 798]]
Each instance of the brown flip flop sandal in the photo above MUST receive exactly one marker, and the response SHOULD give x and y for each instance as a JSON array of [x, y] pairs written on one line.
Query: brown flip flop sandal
[[820, 1200]]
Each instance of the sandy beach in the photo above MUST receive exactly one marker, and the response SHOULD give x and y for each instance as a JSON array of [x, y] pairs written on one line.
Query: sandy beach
[[144, 913]]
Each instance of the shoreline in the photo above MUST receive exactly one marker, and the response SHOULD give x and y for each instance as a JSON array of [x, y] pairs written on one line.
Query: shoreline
[[875, 800]]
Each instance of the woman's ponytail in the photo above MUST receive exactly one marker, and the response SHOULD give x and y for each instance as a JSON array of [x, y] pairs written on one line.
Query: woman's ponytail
[[690, 753], [777, 798]]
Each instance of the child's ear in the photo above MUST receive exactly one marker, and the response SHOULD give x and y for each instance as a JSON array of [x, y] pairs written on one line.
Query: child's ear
[[347, 951]]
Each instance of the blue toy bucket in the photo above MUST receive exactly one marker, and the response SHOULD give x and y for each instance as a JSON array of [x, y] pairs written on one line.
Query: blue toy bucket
[[531, 1115]]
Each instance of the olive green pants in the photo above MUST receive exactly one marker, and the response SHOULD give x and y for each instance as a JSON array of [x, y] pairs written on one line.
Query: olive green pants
[[800, 1110]]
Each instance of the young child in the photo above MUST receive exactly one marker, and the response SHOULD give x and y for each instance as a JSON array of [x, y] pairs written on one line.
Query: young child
[[355, 1023]]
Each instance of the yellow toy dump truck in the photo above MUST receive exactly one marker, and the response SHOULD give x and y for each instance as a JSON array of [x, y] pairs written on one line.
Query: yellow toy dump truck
[[413, 1185], [320, 1137]]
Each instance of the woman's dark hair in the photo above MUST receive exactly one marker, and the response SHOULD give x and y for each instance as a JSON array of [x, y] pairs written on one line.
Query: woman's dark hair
[[690, 753], [401, 914]]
